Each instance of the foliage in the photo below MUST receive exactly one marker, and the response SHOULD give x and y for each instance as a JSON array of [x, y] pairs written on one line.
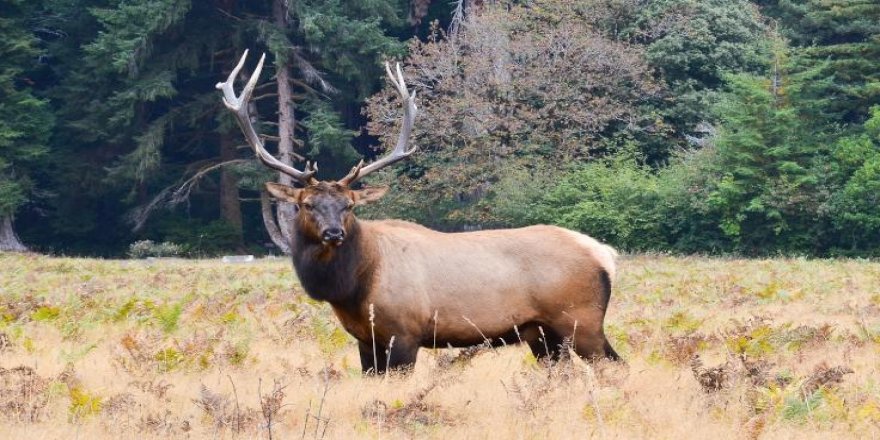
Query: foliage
[[764, 188], [606, 198], [196, 238], [510, 88], [327, 134], [856, 207], [841, 40], [83, 404], [771, 179], [692, 45], [133, 84]]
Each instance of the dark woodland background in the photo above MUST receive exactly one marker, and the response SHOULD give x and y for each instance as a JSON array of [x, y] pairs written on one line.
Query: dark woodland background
[[689, 126]]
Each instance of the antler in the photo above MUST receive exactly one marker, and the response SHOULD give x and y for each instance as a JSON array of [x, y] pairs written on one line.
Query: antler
[[239, 107], [400, 151]]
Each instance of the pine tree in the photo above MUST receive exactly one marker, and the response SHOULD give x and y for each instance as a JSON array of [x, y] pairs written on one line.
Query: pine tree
[[25, 121], [840, 41], [760, 181], [856, 203]]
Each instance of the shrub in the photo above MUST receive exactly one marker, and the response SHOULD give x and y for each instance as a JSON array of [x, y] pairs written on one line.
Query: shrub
[[148, 248], [615, 201]]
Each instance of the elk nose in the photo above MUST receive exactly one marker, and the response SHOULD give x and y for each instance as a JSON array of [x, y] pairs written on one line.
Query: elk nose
[[335, 235]]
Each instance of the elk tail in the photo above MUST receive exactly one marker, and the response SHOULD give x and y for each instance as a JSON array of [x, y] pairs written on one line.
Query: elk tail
[[605, 280], [606, 276]]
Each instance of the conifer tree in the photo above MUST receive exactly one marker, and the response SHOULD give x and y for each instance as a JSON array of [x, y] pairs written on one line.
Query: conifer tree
[[25, 120]]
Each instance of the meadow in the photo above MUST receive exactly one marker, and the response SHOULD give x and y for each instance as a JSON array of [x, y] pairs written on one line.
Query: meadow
[[723, 348]]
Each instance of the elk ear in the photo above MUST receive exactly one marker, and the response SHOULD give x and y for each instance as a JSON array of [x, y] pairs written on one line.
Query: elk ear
[[369, 195], [283, 192]]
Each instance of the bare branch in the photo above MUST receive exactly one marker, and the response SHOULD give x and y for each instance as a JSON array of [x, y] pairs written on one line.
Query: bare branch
[[173, 194], [309, 73], [183, 191]]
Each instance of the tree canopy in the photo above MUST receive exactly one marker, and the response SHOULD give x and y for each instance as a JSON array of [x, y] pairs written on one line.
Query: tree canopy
[[725, 126]]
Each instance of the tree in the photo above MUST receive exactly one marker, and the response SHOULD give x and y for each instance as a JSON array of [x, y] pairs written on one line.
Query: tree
[[138, 98], [774, 176], [508, 90], [692, 44], [840, 40], [344, 38], [855, 206], [765, 182], [25, 121]]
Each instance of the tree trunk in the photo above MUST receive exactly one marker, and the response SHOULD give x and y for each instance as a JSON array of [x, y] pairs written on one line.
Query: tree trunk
[[286, 120], [269, 221], [281, 240], [230, 204], [8, 239]]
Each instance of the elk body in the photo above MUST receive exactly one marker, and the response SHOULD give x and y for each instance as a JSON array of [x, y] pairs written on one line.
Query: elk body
[[397, 286]]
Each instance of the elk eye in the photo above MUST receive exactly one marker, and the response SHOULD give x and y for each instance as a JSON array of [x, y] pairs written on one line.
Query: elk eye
[[308, 206]]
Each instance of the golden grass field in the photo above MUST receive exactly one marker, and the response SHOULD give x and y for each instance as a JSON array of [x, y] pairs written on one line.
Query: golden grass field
[[91, 349]]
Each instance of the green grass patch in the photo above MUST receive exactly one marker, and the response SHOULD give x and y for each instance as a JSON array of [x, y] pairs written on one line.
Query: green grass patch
[[46, 313]]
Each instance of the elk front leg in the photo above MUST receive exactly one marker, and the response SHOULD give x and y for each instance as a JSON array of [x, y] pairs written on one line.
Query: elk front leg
[[372, 361], [401, 356]]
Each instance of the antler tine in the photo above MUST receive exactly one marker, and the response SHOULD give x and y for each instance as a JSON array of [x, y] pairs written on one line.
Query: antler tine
[[252, 81], [229, 98], [400, 151], [353, 175], [239, 107]]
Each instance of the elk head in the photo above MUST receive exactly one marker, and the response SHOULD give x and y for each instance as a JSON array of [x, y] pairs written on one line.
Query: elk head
[[324, 208]]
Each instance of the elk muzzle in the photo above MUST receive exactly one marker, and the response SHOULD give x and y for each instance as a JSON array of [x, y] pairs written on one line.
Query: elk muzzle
[[333, 235]]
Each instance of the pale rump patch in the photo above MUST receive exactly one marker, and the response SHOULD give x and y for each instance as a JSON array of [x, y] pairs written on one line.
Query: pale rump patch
[[604, 254]]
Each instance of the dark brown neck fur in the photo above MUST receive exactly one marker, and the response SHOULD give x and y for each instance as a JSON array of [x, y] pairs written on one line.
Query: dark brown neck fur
[[339, 275]]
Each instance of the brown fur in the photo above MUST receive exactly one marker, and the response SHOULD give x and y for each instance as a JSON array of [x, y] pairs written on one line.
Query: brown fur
[[540, 285]]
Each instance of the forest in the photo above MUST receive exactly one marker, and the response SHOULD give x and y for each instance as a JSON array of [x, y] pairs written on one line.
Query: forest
[[720, 127]]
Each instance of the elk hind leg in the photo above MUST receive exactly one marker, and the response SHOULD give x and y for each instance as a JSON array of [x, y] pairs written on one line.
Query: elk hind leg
[[545, 343], [586, 334]]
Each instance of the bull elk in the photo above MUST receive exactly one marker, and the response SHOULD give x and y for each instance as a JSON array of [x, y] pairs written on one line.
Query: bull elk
[[397, 286]]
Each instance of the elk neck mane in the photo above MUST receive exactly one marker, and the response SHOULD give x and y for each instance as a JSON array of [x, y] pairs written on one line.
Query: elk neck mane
[[339, 275]]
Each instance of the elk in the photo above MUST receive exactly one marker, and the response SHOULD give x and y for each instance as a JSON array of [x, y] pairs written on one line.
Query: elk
[[397, 286]]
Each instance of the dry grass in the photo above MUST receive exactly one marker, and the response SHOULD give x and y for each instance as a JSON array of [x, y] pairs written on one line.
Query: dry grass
[[199, 349]]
